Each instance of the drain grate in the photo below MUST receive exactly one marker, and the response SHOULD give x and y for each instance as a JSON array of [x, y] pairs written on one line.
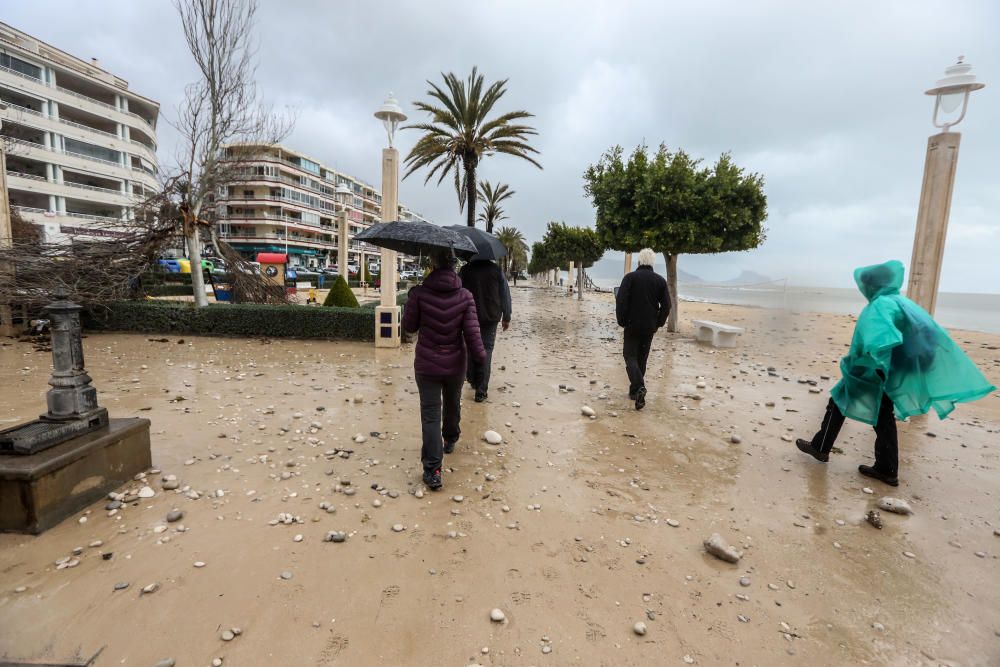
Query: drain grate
[[40, 434]]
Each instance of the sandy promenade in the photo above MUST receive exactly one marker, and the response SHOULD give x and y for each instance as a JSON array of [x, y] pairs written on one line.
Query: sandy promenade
[[575, 528]]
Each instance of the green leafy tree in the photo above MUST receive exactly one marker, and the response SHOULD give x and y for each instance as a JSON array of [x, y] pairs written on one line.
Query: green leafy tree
[[580, 245], [492, 198], [671, 203], [461, 132], [517, 251], [541, 260], [340, 295]]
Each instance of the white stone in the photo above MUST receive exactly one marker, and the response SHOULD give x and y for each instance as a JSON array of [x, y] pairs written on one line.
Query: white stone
[[719, 548], [146, 492], [497, 616], [493, 437], [894, 505], [639, 628], [588, 411]]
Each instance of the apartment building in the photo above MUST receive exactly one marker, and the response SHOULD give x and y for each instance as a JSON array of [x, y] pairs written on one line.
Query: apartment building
[[80, 146], [281, 200]]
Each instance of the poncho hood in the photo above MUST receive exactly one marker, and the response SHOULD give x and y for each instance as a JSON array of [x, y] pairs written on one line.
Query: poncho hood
[[880, 279]]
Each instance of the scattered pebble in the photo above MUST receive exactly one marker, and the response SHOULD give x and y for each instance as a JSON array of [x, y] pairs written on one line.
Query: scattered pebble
[[497, 616], [492, 437], [639, 628]]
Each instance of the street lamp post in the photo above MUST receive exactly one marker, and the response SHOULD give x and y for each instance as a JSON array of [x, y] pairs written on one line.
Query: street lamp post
[[342, 233], [940, 165], [387, 332]]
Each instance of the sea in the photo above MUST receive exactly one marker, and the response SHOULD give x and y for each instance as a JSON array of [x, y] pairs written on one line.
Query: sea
[[972, 312]]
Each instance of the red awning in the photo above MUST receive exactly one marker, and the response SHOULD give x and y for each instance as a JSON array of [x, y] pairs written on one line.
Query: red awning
[[272, 258]]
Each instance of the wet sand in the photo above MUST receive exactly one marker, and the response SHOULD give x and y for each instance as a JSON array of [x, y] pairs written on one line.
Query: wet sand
[[564, 526]]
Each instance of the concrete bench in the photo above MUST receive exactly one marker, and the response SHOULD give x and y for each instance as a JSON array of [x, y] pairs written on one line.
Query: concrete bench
[[719, 335]]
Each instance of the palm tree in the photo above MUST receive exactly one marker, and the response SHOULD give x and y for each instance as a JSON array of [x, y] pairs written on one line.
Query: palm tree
[[491, 198], [460, 133], [517, 251]]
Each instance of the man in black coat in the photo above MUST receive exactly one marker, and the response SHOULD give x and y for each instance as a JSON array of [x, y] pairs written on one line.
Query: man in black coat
[[489, 288], [642, 307]]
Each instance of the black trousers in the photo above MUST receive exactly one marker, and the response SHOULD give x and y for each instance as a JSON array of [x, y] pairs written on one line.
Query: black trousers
[[438, 426], [636, 352], [478, 375], [886, 441]]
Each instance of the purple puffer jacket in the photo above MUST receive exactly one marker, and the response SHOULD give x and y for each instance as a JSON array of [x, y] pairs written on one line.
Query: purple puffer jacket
[[444, 312]]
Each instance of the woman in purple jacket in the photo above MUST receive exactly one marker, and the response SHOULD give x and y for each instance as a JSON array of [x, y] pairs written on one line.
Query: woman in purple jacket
[[445, 314]]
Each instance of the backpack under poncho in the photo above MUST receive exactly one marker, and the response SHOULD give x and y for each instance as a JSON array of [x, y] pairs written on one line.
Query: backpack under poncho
[[900, 350]]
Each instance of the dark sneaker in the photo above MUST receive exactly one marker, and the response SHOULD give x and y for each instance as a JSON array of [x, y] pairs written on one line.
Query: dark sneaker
[[480, 396], [433, 480], [640, 398], [875, 473], [449, 447], [807, 447]]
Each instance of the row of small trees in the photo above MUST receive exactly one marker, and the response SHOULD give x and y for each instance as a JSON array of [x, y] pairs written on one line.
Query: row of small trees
[[667, 201], [562, 245]]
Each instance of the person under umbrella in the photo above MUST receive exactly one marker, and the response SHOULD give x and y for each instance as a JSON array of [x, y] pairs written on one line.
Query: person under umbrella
[[491, 292], [901, 363], [444, 313]]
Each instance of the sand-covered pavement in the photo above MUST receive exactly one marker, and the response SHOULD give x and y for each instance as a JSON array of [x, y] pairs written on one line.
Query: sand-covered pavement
[[575, 528]]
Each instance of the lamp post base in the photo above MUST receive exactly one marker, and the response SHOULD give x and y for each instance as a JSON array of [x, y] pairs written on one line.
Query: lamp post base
[[387, 326]]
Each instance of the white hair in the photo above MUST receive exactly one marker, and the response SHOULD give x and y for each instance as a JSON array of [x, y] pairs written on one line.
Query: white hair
[[646, 257]]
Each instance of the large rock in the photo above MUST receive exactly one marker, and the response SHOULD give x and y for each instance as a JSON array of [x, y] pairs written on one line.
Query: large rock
[[894, 505], [719, 548]]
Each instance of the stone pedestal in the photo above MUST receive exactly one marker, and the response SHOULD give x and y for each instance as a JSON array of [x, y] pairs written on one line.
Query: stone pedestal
[[932, 219], [38, 491], [387, 326]]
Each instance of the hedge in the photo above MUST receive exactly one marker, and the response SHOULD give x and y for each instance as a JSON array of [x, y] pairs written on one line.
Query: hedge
[[237, 320], [169, 290]]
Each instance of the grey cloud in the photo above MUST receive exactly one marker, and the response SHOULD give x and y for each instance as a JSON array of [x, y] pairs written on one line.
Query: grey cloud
[[826, 100]]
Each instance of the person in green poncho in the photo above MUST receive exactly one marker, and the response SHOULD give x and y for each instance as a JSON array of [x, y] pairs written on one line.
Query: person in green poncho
[[901, 363]]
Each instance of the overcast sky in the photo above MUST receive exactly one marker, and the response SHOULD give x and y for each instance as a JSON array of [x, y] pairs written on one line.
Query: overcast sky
[[825, 101]]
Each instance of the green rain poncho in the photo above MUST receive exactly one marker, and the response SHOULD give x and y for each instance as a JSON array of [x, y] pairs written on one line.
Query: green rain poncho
[[898, 348]]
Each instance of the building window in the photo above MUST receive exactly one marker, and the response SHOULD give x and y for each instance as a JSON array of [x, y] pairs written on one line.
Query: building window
[[90, 150], [18, 65]]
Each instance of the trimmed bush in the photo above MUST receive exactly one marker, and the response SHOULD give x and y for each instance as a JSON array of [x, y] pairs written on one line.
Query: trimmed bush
[[237, 320], [340, 295]]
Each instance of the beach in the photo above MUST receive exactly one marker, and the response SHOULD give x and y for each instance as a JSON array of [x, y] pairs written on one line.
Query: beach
[[576, 528]]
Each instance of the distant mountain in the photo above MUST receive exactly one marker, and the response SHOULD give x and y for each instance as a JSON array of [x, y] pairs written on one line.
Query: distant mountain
[[685, 277], [748, 278]]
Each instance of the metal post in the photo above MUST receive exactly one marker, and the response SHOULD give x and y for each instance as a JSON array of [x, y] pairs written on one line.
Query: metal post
[[932, 219], [6, 240]]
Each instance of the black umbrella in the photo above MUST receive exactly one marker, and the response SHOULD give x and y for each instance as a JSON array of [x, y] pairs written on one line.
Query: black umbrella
[[415, 238], [488, 246]]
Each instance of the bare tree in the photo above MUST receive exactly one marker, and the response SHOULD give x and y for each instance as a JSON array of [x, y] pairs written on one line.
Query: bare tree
[[96, 266], [220, 120]]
